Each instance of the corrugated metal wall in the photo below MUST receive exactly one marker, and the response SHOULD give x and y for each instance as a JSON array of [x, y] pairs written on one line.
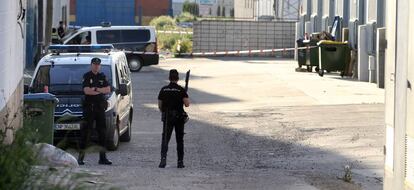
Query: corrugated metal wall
[[93, 12]]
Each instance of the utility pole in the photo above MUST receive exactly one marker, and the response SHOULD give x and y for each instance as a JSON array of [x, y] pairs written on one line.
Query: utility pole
[[170, 8], [48, 25]]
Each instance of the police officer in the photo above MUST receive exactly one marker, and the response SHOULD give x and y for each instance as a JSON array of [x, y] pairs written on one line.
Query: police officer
[[95, 87], [61, 30], [55, 36], [170, 102]]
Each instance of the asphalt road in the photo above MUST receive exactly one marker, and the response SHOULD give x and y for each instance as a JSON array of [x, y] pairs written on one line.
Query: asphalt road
[[255, 124]]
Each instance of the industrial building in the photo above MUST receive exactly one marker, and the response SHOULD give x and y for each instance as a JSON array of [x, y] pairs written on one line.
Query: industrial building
[[361, 25], [23, 38], [379, 33]]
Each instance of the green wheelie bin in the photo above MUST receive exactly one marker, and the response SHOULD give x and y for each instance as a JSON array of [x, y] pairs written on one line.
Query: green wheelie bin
[[39, 110], [301, 53], [308, 57], [313, 55], [333, 56]]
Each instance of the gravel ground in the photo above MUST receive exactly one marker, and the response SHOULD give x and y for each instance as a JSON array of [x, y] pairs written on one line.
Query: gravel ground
[[255, 124]]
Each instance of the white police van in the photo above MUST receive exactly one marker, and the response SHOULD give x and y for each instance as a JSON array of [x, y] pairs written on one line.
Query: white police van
[[138, 42], [61, 73]]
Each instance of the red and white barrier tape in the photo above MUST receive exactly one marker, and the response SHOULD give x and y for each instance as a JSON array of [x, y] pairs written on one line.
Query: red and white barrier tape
[[246, 51], [173, 32], [230, 52]]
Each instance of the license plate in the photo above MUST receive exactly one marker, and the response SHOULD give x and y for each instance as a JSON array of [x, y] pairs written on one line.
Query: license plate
[[72, 126]]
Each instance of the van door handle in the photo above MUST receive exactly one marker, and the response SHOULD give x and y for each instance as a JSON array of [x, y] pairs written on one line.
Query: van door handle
[[409, 84]]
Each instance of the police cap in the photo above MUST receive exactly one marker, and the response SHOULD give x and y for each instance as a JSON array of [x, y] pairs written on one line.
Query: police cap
[[96, 61]]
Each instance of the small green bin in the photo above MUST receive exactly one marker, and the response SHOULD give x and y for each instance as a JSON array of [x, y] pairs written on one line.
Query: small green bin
[[39, 110], [308, 57], [334, 56], [301, 53], [313, 53]]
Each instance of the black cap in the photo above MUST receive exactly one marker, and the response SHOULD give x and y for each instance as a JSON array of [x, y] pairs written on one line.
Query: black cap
[[173, 75], [96, 61]]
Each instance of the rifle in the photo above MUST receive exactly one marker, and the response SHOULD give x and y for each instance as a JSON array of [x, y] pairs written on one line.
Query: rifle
[[187, 78]]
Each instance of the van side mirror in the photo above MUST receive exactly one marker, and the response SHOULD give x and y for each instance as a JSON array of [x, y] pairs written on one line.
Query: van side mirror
[[123, 89], [26, 89]]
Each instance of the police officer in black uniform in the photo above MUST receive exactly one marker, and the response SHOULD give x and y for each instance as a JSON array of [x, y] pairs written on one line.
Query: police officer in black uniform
[[170, 102], [95, 87]]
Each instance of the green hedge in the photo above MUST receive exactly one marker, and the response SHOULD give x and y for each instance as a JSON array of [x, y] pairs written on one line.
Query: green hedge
[[185, 17], [163, 23], [186, 46]]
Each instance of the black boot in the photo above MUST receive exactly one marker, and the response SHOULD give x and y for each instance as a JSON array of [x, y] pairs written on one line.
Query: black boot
[[180, 164], [103, 160], [163, 162], [81, 157]]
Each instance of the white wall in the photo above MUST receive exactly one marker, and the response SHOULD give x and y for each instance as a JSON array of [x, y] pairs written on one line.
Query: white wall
[[11, 50], [57, 12]]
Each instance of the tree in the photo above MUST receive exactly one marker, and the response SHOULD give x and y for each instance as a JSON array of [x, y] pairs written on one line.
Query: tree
[[209, 11], [232, 12], [191, 8], [223, 10], [218, 11]]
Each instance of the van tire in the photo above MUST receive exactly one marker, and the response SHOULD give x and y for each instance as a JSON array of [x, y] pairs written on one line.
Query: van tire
[[126, 137], [113, 142], [135, 64]]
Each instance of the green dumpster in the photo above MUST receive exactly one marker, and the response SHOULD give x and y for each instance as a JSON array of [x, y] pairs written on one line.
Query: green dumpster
[[39, 110], [301, 53], [313, 53], [308, 57], [333, 56]]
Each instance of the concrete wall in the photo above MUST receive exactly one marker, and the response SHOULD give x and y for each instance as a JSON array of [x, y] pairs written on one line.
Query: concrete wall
[[399, 158], [264, 8], [12, 37], [210, 36]]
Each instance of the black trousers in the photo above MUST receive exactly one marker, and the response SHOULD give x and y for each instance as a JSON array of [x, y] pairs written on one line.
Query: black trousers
[[93, 113], [168, 128]]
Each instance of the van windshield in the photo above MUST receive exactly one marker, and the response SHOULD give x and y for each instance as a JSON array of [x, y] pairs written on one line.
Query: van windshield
[[64, 79]]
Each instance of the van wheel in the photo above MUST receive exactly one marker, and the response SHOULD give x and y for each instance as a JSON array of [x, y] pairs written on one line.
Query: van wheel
[[126, 137], [113, 142], [135, 64]]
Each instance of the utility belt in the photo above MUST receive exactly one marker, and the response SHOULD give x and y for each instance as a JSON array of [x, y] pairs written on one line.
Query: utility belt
[[174, 116]]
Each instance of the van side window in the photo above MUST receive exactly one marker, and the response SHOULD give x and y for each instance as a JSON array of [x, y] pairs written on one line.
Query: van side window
[[142, 35], [82, 38], [108, 36]]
